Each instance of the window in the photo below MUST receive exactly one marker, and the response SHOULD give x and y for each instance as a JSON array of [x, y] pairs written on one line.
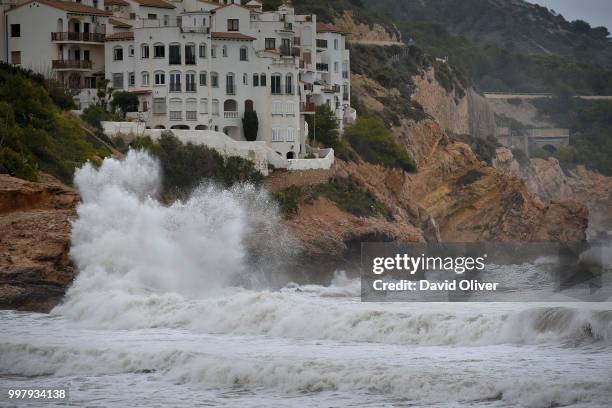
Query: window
[[175, 82], [191, 109], [290, 108], [245, 79], [336, 67], [176, 109], [262, 80], [215, 107], [190, 55], [166, 20], [224, 48], [214, 80], [275, 84], [270, 43], [202, 50], [131, 79], [15, 57], [289, 84], [230, 86], [190, 82], [174, 54], [336, 44], [118, 53], [232, 24], [132, 16], [290, 135], [255, 80], [160, 78], [144, 51], [203, 78], [131, 50], [277, 108], [152, 16], [159, 106], [159, 51], [15, 30], [244, 54], [144, 78], [213, 51], [118, 81], [276, 134], [204, 105]]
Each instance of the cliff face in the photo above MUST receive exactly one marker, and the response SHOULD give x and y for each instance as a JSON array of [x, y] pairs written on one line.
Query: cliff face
[[367, 33], [467, 114], [35, 268]]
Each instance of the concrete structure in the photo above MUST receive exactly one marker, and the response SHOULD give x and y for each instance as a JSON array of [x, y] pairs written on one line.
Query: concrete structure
[[194, 64], [549, 139]]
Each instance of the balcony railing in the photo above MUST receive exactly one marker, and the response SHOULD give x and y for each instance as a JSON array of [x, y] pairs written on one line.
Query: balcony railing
[[71, 36], [230, 114], [306, 107], [71, 64]]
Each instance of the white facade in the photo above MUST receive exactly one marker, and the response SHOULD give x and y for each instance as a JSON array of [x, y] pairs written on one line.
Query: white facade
[[195, 65]]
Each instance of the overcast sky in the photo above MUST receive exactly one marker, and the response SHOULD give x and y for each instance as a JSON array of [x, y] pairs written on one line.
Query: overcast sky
[[595, 12]]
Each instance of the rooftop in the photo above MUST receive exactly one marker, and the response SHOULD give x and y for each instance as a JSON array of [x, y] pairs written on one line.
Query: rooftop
[[217, 35], [122, 36], [68, 6], [155, 3]]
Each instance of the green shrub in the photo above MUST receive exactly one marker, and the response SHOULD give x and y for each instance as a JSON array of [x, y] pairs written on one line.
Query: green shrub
[[323, 126], [16, 165], [288, 200], [250, 124], [185, 166], [374, 143], [125, 102], [95, 114], [351, 198]]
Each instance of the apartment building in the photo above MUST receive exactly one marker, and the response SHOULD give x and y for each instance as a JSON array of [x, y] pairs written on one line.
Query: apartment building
[[194, 64], [64, 40]]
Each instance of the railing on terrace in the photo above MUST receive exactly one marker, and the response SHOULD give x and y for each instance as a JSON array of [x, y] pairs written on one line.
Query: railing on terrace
[[230, 114], [72, 36], [71, 64]]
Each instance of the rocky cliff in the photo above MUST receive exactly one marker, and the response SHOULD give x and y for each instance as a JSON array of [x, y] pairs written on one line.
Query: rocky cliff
[[367, 33], [35, 268]]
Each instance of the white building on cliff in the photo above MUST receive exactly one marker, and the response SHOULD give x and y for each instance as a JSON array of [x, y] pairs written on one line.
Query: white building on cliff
[[194, 64]]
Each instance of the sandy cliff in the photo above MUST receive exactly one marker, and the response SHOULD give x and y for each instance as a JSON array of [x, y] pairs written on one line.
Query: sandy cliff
[[35, 268]]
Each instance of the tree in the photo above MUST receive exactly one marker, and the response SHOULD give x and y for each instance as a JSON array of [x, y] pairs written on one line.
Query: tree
[[125, 101], [323, 126], [250, 124], [103, 91]]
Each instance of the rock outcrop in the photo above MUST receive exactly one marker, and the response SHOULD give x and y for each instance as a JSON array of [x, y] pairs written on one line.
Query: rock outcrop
[[364, 33], [35, 267]]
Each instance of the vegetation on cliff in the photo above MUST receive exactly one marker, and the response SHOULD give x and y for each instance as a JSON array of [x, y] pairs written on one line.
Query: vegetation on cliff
[[35, 134], [185, 166]]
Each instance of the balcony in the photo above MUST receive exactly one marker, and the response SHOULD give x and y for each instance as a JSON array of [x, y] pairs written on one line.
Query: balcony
[[308, 107], [77, 37], [230, 115], [71, 64]]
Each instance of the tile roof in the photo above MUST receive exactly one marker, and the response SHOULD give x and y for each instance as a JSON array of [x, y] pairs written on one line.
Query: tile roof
[[120, 36], [229, 5], [118, 23], [328, 28], [116, 3], [155, 3], [217, 35], [68, 6]]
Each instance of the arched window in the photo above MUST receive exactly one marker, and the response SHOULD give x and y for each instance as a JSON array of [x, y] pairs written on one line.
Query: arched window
[[174, 54], [118, 53], [131, 50], [275, 84], [202, 50], [144, 51], [214, 80], [230, 84], [190, 81], [160, 78], [203, 78], [175, 81], [144, 78], [159, 50], [289, 84]]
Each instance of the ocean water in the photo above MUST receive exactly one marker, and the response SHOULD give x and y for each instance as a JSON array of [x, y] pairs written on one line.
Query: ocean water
[[168, 311]]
